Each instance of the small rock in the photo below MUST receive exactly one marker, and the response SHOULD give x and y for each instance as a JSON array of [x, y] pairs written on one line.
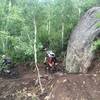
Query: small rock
[[53, 96], [94, 75], [58, 81], [83, 82], [29, 94], [47, 98], [64, 80]]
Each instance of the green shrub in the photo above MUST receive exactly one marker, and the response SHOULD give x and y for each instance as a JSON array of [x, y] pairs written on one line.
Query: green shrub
[[96, 45], [98, 15], [98, 25]]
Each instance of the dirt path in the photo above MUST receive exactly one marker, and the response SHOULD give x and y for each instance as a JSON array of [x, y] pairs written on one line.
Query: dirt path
[[76, 87], [57, 86]]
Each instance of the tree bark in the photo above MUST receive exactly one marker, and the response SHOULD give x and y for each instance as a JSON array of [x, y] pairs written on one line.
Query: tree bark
[[8, 13], [35, 54], [62, 34], [62, 25], [49, 27]]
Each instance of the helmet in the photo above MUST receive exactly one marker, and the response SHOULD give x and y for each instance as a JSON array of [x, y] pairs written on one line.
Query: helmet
[[51, 54], [44, 49], [3, 56]]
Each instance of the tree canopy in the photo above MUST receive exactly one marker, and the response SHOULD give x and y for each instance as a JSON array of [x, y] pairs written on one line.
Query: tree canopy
[[55, 19]]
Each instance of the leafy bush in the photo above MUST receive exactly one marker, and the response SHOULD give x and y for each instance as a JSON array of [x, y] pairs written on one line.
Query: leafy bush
[[98, 25], [96, 45], [98, 15], [17, 25]]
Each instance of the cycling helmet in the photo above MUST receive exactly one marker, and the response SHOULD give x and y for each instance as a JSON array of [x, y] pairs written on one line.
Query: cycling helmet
[[50, 54]]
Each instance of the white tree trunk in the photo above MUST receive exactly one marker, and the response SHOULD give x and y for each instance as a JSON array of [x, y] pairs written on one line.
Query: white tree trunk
[[79, 11], [49, 27], [35, 40], [62, 33], [62, 25], [35, 54], [9, 9], [3, 45], [48, 19], [10, 4]]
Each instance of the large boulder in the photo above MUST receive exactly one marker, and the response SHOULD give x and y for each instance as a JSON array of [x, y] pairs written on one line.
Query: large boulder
[[79, 53]]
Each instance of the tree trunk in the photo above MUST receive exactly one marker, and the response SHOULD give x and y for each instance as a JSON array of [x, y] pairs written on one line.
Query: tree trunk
[[62, 33], [3, 45], [8, 13], [35, 54], [79, 11], [49, 27], [62, 25]]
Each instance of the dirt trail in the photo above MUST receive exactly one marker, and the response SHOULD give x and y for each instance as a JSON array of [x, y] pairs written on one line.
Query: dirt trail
[[76, 87], [57, 86], [79, 86]]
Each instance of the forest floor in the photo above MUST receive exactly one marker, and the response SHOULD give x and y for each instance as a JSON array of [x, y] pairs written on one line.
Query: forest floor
[[57, 86]]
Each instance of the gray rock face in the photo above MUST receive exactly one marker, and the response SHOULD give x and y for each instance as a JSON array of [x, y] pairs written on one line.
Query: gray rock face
[[79, 53]]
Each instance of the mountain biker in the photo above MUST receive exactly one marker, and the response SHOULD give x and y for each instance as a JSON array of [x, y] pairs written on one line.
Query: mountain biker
[[6, 60], [6, 63], [50, 57]]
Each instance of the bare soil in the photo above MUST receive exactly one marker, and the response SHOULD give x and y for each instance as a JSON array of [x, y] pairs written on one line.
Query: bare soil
[[57, 86]]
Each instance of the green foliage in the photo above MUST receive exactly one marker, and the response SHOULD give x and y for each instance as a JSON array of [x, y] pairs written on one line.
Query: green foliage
[[98, 2], [55, 39], [96, 45], [98, 15], [98, 25], [34, 98], [88, 4], [17, 28]]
